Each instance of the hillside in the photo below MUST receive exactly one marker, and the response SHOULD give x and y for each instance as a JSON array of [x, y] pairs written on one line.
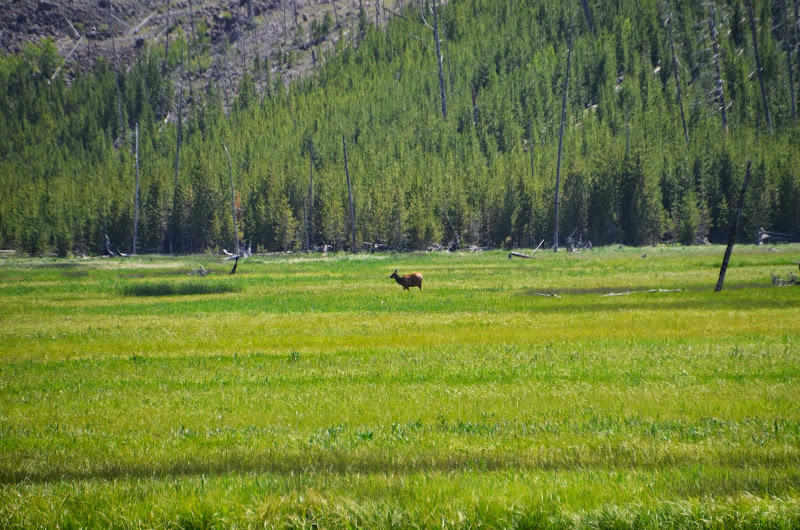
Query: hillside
[[423, 171], [85, 30]]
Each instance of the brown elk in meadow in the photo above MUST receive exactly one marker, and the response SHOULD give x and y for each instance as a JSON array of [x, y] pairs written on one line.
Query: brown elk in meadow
[[409, 280]]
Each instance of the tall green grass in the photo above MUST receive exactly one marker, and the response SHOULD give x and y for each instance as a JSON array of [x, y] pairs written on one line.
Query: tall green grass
[[305, 391]]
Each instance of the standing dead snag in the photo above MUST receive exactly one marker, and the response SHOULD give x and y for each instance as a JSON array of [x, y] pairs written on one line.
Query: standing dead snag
[[233, 201], [734, 226], [435, 29], [677, 76], [759, 70], [136, 193], [561, 138], [718, 92], [409, 280], [349, 194]]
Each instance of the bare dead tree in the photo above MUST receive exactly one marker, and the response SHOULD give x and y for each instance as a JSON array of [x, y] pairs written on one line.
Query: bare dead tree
[[136, 193], [788, 33], [719, 92], [474, 105], [439, 57], [289, 106], [530, 143], [194, 37], [311, 190], [233, 201], [177, 160], [797, 31], [733, 230], [435, 29], [561, 136], [349, 194], [336, 14], [166, 39], [305, 222], [675, 72], [754, 32]]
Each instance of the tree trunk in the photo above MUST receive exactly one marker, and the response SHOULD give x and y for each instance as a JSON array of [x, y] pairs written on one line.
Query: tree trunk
[[136, 193], [474, 106], [350, 195], [758, 64], [677, 79], [289, 106], [449, 66], [311, 193], [787, 38], [797, 30], [177, 164], [194, 38], [439, 58], [233, 198], [719, 92], [561, 137], [305, 222], [530, 143], [733, 229], [336, 14], [166, 40], [588, 14]]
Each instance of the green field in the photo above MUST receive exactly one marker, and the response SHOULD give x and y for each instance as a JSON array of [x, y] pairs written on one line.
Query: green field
[[310, 391]]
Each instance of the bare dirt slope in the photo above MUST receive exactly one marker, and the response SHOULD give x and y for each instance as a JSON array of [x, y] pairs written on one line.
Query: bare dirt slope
[[84, 30]]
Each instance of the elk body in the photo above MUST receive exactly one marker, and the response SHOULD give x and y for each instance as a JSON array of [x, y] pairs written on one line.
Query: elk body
[[409, 280]]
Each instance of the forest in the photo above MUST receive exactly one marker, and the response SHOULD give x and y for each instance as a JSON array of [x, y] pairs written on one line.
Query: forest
[[647, 112]]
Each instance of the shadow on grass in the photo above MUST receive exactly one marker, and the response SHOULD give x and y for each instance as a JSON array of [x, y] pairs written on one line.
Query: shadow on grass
[[245, 461], [173, 288]]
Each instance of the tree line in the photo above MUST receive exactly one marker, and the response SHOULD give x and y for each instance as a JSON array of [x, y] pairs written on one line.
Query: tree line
[[448, 142]]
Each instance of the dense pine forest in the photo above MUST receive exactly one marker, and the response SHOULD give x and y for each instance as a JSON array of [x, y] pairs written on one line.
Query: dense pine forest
[[666, 101]]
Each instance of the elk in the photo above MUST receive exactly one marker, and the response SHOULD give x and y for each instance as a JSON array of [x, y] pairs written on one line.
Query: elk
[[409, 280]]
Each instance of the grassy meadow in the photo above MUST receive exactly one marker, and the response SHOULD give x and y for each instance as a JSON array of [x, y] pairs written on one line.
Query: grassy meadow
[[313, 392]]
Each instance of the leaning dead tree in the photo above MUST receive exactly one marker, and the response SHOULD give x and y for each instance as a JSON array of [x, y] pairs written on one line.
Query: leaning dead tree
[[561, 136], [733, 230], [754, 32]]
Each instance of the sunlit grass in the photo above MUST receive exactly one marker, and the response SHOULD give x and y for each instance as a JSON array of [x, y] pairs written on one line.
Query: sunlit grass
[[307, 390]]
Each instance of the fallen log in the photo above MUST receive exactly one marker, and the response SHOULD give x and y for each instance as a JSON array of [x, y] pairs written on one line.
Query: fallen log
[[528, 256], [647, 291], [766, 235]]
